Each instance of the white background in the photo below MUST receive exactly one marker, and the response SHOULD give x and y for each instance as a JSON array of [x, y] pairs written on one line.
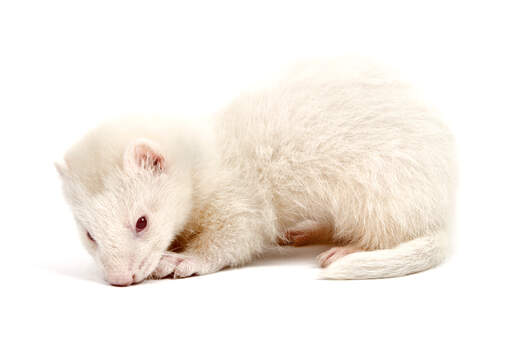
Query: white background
[[65, 65]]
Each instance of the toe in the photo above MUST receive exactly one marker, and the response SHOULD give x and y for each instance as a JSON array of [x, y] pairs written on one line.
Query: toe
[[328, 257], [185, 269], [167, 265], [296, 238]]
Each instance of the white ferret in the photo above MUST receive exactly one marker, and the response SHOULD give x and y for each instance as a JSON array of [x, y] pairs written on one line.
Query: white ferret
[[336, 151]]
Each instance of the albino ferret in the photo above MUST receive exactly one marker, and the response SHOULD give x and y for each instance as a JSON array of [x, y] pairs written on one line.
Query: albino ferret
[[338, 151]]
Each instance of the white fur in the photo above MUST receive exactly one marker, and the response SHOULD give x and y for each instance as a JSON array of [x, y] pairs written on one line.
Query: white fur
[[343, 143]]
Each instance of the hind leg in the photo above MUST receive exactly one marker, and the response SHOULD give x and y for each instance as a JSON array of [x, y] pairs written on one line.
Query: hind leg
[[307, 232]]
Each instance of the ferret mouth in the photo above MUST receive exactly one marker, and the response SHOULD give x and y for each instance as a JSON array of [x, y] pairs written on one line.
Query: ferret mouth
[[138, 280], [135, 279], [140, 273], [124, 285]]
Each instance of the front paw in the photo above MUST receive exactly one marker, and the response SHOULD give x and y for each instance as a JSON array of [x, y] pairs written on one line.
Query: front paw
[[167, 265], [178, 265]]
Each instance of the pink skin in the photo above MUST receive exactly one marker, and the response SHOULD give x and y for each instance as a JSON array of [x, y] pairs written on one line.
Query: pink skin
[[121, 280], [306, 233], [331, 255], [310, 232], [297, 237]]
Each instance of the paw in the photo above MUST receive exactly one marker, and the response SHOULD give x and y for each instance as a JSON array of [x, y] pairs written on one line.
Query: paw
[[177, 265], [307, 232], [167, 265], [331, 255], [188, 268], [297, 237]]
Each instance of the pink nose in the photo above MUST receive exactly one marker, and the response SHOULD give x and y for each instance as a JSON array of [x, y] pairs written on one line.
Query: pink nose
[[121, 280]]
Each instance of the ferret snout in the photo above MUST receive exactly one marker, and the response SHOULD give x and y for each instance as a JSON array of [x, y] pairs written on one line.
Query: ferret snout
[[121, 279]]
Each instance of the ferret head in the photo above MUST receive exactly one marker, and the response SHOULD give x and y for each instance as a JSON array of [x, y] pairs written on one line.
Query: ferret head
[[129, 215]]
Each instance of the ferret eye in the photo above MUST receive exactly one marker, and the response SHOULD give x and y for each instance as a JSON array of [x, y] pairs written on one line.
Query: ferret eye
[[90, 237], [141, 224]]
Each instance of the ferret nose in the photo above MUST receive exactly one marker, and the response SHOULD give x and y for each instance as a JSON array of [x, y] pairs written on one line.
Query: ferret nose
[[121, 280]]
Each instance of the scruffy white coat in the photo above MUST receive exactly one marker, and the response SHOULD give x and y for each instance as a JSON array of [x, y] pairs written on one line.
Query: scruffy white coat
[[339, 151]]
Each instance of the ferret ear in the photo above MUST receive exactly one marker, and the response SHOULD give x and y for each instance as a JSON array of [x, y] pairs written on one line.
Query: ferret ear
[[62, 169], [145, 154]]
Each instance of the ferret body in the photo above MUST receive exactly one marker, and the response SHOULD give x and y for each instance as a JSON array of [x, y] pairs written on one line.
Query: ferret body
[[335, 151]]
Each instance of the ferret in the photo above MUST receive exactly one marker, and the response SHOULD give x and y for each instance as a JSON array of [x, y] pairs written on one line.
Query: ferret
[[335, 151]]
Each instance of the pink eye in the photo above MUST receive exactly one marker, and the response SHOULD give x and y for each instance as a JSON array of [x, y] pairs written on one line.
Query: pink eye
[[90, 237], [141, 224]]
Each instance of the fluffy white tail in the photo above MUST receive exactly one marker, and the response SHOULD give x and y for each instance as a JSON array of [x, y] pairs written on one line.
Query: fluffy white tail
[[410, 257]]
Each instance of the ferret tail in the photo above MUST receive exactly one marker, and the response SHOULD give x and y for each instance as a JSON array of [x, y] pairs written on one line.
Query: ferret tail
[[409, 257]]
